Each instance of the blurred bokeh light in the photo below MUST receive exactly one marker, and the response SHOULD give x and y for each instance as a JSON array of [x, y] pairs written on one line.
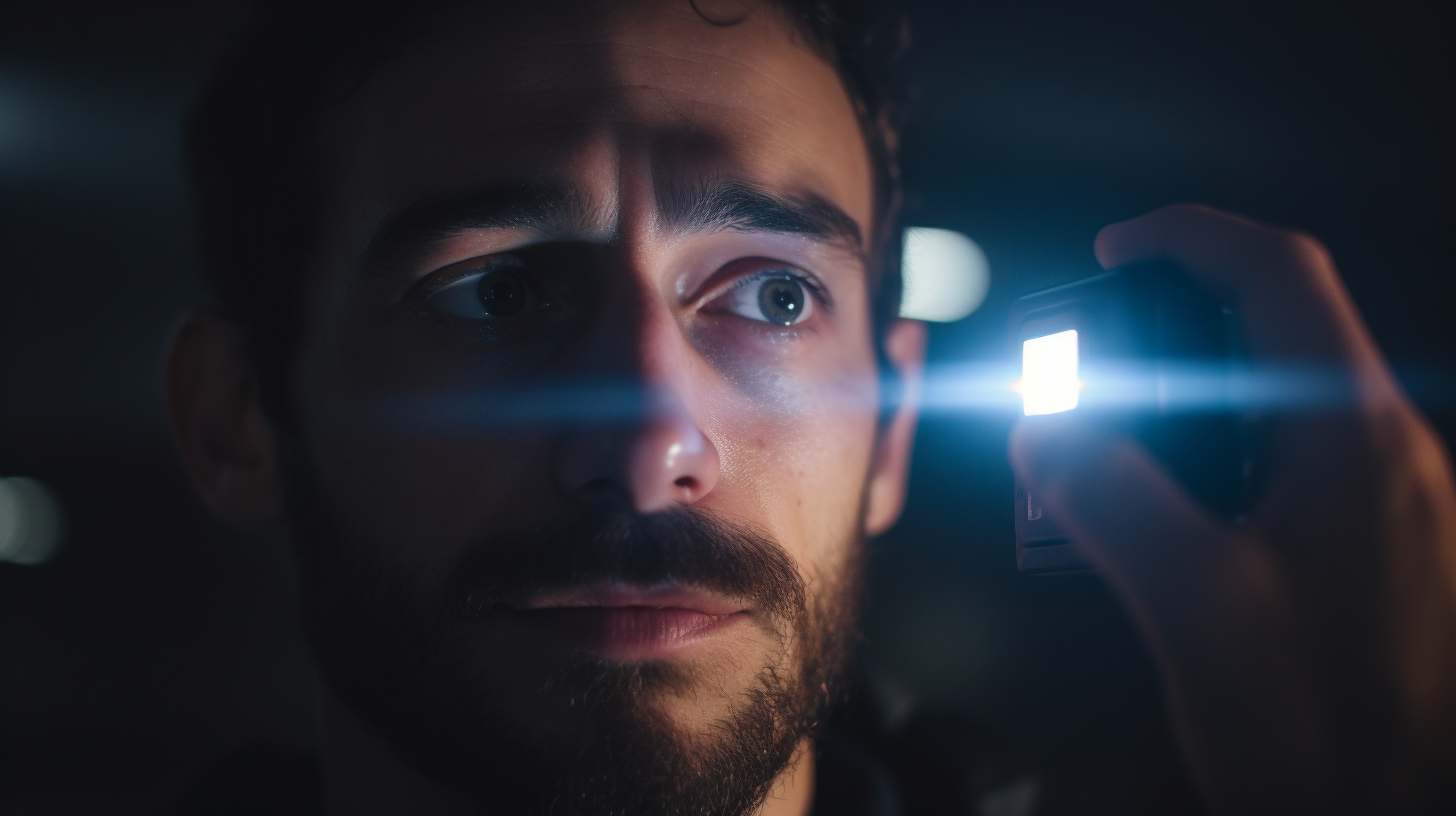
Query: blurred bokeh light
[[30, 521], [946, 275]]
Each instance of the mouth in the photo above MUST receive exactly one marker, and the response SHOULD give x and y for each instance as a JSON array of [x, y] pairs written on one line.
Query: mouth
[[631, 623]]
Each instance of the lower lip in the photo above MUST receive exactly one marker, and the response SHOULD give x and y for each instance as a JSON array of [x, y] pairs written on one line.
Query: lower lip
[[630, 631]]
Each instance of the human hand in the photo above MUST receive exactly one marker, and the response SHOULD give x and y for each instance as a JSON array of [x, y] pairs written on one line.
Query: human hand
[[1308, 657]]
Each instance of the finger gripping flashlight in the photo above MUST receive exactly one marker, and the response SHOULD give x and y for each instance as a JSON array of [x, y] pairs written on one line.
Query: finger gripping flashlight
[[1144, 352]]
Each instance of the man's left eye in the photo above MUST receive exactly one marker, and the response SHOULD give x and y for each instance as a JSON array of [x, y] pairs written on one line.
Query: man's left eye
[[496, 290], [779, 296]]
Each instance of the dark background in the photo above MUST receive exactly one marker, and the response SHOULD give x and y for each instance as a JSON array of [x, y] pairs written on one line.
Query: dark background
[[157, 639]]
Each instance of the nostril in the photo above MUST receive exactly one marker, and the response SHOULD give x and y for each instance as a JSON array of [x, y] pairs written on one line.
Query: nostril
[[686, 482]]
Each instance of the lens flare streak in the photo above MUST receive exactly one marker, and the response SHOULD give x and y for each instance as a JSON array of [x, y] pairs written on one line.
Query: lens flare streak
[[994, 388]]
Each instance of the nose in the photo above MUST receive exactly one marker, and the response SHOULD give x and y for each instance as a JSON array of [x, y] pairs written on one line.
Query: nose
[[661, 460]]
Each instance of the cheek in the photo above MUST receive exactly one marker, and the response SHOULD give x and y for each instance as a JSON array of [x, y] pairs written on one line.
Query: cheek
[[796, 463], [794, 422], [392, 433], [422, 496], [427, 493]]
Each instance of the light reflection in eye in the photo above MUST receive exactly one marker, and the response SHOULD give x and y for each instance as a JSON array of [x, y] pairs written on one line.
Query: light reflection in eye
[[493, 291], [778, 296]]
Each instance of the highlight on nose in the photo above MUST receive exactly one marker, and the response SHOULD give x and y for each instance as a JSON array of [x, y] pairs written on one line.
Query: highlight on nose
[[671, 462], [661, 461]]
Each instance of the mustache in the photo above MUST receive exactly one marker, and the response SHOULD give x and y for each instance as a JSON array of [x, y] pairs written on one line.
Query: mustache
[[608, 544]]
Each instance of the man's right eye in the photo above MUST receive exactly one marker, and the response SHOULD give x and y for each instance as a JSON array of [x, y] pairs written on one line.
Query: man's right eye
[[486, 292]]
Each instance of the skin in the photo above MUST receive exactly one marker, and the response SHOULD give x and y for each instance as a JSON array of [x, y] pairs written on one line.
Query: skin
[[776, 426], [1307, 658]]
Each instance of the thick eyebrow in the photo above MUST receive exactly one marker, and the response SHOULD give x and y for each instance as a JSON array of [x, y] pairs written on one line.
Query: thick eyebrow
[[740, 207], [403, 241], [410, 235]]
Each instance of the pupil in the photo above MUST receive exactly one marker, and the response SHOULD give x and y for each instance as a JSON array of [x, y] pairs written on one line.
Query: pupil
[[782, 300], [501, 294]]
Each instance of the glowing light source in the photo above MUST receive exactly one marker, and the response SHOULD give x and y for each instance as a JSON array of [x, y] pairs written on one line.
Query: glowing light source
[[30, 521], [1049, 381], [945, 275]]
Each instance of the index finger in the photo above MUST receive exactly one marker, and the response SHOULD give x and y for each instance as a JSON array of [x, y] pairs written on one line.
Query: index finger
[[1283, 283]]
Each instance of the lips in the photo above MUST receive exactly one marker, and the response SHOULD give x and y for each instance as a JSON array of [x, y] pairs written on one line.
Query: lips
[[630, 622]]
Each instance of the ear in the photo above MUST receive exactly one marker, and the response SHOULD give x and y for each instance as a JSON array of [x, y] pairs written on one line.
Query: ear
[[217, 422], [890, 473]]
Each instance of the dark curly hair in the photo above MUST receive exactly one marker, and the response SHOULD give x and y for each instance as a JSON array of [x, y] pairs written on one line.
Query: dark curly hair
[[249, 147]]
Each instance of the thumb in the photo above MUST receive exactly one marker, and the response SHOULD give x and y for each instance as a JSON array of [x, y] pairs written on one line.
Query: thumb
[[1160, 551], [1208, 601]]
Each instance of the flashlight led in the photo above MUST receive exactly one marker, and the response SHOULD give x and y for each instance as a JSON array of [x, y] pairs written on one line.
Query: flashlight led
[[1049, 381], [1118, 348]]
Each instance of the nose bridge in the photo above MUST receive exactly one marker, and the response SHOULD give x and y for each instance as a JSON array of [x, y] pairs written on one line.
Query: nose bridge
[[634, 344], [634, 334], [664, 361], [647, 446]]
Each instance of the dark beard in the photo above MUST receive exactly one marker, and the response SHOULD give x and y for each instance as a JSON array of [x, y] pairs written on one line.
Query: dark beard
[[403, 660]]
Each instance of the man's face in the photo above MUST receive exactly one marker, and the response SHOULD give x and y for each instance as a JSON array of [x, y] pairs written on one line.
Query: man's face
[[587, 397]]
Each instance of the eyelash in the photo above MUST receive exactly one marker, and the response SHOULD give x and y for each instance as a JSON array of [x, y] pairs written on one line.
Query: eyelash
[[433, 283], [817, 290], [810, 283]]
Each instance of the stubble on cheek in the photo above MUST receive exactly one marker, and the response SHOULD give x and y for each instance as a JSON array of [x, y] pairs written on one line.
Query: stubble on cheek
[[461, 697], [804, 464]]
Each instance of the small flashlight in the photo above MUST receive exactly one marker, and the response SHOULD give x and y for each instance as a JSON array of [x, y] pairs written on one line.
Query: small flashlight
[[1140, 351], [1049, 383]]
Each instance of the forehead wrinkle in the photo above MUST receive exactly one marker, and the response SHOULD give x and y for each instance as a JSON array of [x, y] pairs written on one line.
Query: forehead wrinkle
[[618, 87], [603, 43], [620, 81], [592, 45], [686, 54], [618, 57]]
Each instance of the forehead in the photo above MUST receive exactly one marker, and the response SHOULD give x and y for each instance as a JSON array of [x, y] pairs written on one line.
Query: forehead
[[622, 102]]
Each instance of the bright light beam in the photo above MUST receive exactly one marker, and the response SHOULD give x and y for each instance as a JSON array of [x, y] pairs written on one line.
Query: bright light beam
[[1049, 381]]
